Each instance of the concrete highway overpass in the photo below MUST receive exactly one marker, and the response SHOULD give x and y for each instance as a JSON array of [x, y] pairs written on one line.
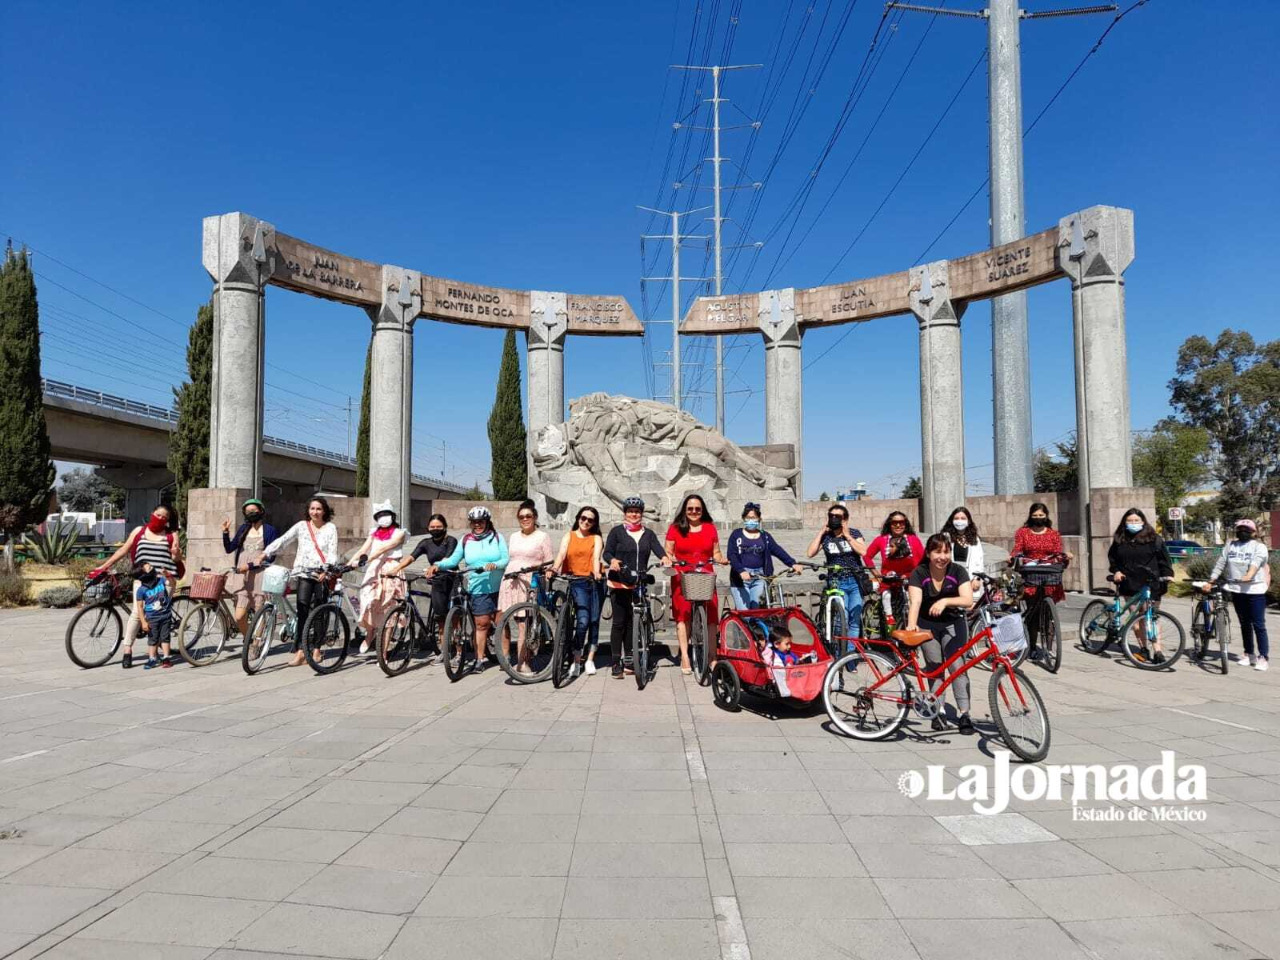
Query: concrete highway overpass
[[128, 441]]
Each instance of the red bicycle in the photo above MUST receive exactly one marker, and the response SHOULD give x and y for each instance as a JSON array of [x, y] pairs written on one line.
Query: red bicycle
[[868, 691]]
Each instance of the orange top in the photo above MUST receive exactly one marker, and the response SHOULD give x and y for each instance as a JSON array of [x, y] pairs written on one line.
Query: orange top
[[582, 550]]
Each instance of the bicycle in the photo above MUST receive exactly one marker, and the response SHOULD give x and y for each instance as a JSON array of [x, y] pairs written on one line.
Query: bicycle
[[327, 631], [1210, 621], [527, 625], [642, 627], [563, 653], [1040, 611], [406, 633], [459, 631], [874, 677], [207, 626], [265, 629], [657, 608], [698, 585], [1101, 625], [1002, 594], [96, 631]]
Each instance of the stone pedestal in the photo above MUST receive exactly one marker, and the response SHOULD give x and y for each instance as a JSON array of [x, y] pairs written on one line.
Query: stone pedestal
[[941, 394], [548, 324], [236, 256], [783, 374], [391, 389]]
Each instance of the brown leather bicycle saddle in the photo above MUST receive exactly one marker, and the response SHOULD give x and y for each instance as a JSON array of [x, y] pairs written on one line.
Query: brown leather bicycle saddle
[[911, 638]]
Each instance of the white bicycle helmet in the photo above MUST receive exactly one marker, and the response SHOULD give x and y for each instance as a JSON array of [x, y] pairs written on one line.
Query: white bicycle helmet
[[479, 513]]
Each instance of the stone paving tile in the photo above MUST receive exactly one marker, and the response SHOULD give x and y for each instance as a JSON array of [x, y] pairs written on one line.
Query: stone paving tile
[[834, 938], [1260, 929], [1262, 846], [289, 843], [79, 867], [1165, 852], [391, 852], [890, 829], [986, 939], [314, 815], [15, 855], [494, 938], [655, 940], [494, 897], [85, 948], [452, 797], [179, 919], [1096, 898], [365, 889], [818, 860], [1223, 889], [320, 931], [640, 898], [933, 861], [32, 908], [782, 898], [649, 859], [1157, 938], [1036, 860], [511, 860], [424, 822], [534, 828], [654, 803], [618, 827], [240, 879], [981, 898]]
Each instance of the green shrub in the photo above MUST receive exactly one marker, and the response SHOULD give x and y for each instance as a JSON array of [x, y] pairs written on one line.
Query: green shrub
[[55, 547], [13, 590], [59, 597], [78, 568], [1199, 567]]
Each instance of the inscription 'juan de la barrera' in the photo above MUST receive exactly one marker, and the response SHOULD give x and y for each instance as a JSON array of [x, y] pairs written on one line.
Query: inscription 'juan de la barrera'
[[481, 303], [325, 270], [1010, 263]]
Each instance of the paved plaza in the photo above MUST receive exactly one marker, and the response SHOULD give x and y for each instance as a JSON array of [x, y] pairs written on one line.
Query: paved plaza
[[194, 814]]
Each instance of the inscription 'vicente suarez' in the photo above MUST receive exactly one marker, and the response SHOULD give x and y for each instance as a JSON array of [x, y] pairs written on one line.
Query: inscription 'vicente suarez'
[[1011, 263]]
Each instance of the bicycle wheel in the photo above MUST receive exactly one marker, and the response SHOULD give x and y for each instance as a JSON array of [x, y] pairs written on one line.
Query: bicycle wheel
[[657, 609], [698, 639], [262, 634], [1224, 639], [873, 620], [398, 639], [562, 645], [1169, 634], [640, 631], [864, 698], [1201, 635], [529, 628], [726, 687], [203, 634], [455, 643], [838, 620], [325, 637], [94, 635], [1018, 710], [1095, 626], [1050, 638]]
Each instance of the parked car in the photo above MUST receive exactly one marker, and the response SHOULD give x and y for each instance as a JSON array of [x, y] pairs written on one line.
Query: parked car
[[1183, 548]]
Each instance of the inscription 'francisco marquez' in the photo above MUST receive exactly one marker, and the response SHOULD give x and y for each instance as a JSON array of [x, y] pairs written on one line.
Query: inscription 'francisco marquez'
[[324, 270], [482, 303], [596, 311]]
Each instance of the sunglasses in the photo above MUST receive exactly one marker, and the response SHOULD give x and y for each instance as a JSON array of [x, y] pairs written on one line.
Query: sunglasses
[[477, 523], [897, 523], [587, 518], [692, 509], [524, 516]]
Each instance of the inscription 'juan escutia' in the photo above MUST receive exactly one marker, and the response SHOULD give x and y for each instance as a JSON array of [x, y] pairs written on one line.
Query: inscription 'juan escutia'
[[852, 300], [324, 270], [1010, 263]]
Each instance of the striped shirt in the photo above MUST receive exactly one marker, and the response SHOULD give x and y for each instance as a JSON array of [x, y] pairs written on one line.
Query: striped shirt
[[156, 553]]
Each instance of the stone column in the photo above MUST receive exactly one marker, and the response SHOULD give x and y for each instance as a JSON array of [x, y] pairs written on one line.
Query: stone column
[[548, 324], [783, 374], [143, 485], [391, 388], [236, 255], [1102, 250], [941, 394]]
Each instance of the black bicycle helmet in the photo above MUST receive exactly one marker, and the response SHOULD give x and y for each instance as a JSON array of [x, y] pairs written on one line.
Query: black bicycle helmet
[[633, 503]]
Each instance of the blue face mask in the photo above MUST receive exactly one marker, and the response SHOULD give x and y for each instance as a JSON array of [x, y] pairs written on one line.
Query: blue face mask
[[752, 525], [1133, 527]]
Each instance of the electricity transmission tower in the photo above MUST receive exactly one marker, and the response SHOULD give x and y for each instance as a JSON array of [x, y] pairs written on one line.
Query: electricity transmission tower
[[676, 238]]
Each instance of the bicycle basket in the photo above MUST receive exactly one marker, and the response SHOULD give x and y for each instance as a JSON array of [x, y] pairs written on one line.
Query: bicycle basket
[[698, 586], [1042, 575], [1008, 634], [208, 586], [275, 580], [97, 592]]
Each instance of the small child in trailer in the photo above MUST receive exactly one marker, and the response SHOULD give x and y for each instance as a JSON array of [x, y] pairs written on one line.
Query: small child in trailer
[[154, 606]]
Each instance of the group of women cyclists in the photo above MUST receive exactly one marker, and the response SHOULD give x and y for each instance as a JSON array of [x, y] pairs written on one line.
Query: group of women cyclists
[[936, 580]]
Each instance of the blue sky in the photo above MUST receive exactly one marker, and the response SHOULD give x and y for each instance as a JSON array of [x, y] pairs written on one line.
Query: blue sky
[[508, 143]]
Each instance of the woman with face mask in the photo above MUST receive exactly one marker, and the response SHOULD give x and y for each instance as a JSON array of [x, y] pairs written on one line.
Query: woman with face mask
[[751, 552], [154, 543], [317, 540], [843, 546], [966, 545], [382, 548], [627, 552], [1137, 558], [434, 547], [1038, 542], [1245, 562], [247, 545]]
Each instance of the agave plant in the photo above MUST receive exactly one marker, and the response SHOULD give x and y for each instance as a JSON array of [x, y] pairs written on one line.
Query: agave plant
[[56, 546]]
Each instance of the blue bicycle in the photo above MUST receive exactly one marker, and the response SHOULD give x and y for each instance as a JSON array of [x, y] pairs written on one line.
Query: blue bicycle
[[1151, 639]]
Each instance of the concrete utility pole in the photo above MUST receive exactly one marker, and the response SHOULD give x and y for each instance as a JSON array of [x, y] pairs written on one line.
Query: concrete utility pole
[[716, 218], [676, 239], [1010, 359]]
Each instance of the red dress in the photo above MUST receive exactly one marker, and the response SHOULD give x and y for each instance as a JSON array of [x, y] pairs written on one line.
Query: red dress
[[1041, 547], [903, 566], [694, 547]]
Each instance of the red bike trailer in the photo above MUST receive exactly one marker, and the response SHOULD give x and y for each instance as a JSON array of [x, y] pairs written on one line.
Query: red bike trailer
[[740, 665]]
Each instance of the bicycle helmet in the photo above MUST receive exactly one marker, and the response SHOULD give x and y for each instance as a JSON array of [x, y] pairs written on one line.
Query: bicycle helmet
[[253, 502], [632, 503], [479, 513]]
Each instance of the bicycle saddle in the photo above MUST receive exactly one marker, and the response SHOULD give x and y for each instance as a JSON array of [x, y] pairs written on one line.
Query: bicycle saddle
[[911, 638]]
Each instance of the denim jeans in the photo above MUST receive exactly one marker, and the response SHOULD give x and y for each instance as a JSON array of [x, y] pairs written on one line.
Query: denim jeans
[[586, 598], [852, 605], [1251, 611], [750, 593]]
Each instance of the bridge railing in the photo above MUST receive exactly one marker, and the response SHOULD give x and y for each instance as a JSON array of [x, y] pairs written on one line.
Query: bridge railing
[[169, 416]]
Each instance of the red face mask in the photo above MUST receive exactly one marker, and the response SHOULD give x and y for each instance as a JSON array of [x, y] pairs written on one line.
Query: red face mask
[[157, 524]]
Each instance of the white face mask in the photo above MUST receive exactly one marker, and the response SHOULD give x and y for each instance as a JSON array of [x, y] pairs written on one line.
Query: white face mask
[[960, 523], [385, 522]]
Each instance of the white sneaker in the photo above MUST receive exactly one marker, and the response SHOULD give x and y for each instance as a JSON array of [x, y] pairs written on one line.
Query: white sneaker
[[590, 667], [1261, 664], [365, 648], [573, 669]]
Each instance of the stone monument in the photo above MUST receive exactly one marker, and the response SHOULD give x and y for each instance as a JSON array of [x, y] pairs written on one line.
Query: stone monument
[[616, 447]]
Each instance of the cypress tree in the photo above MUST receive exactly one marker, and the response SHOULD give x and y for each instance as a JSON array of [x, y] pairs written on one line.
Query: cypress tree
[[362, 436], [189, 444], [510, 470], [26, 472]]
